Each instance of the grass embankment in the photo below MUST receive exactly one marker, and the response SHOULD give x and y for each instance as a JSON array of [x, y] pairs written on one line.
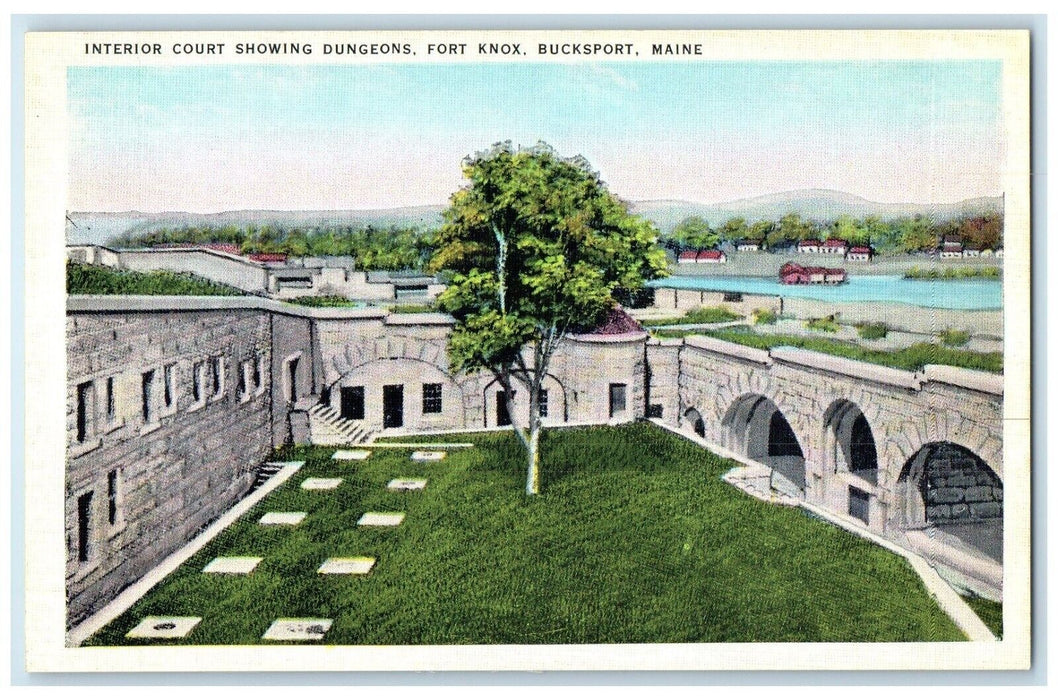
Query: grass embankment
[[705, 314], [324, 301], [634, 539], [990, 612], [912, 358], [952, 273], [96, 279]]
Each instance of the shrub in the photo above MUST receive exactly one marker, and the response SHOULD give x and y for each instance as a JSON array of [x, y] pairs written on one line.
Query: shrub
[[325, 300], [825, 325], [82, 278], [872, 331], [704, 314], [411, 309], [764, 316], [954, 338]]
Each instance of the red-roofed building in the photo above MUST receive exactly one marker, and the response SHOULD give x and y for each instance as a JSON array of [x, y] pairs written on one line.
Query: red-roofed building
[[792, 273], [712, 256], [951, 248], [834, 246], [809, 245], [687, 256], [860, 253], [268, 257]]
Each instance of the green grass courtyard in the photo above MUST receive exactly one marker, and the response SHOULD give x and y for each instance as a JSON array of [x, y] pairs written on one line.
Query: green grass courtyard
[[634, 539]]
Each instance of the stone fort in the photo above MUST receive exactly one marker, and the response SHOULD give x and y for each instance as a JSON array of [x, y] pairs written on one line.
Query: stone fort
[[173, 403]]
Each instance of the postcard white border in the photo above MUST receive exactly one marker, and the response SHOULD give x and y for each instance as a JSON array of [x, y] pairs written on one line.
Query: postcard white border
[[48, 55]]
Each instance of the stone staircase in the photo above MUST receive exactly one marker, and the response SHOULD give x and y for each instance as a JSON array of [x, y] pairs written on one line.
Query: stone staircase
[[265, 472], [327, 427]]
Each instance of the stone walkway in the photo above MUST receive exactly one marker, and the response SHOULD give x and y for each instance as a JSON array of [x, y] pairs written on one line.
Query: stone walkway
[[283, 629]]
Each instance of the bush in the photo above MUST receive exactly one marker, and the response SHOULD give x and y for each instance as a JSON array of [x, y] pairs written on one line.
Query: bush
[[325, 300], [872, 331], [82, 278], [954, 338], [412, 309], [764, 316], [952, 273], [705, 314], [826, 325]]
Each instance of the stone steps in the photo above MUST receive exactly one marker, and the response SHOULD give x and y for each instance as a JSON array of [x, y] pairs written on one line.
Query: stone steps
[[327, 427]]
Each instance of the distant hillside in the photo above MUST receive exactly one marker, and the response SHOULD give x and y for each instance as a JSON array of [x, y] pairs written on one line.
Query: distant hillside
[[818, 205]]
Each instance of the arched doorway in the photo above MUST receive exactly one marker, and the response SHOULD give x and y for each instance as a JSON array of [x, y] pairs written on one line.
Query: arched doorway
[[849, 441], [695, 421], [754, 426], [950, 489]]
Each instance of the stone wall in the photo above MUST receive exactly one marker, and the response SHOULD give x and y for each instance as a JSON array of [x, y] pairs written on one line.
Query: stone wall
[[213, 265], [140, 486]]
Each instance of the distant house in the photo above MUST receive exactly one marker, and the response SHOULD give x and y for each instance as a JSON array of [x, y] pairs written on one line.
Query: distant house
[[712, 257], [809, 245], [749, 245], [268, 257], [971, 253], [792, 273], [687, 256], [834, 246], [860, 253], [951, 248]]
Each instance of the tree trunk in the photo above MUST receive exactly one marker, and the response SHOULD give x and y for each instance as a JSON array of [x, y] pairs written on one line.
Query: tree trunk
[[532, 478]]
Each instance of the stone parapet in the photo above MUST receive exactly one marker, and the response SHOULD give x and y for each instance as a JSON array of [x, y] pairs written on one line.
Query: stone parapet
[[984, 382], [724, 347], [850, 368]]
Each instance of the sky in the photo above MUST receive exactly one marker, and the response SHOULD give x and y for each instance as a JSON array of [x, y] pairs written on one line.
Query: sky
[[221, 138]]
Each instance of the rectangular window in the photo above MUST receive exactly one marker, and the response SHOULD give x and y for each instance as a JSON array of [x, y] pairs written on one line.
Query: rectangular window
[[198, 375], [617, 399], [258, 366], [148, 398], [168, 378], [431, 398], [859, 504], [292, 380], [111, 401], [84, 527], [113, 484], [216, 368], [352, 402], [84, 411], [543, 403]]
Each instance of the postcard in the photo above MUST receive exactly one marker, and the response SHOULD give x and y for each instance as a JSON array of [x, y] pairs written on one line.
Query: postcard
[[527, 350]]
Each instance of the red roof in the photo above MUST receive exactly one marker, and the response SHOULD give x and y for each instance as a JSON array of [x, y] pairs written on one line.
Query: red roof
[[810, 241], [688, 255], [860, 249], [710, 255], [617, 322], [268, 257], [222, 247], [832, 242], [952, 245]]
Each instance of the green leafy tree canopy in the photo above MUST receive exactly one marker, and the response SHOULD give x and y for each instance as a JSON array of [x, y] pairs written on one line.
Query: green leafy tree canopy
[[694, 232], [536, 247]]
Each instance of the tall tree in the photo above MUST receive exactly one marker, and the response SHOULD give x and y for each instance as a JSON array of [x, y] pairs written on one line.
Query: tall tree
[[734, 229], [536, 247], [694, 232]]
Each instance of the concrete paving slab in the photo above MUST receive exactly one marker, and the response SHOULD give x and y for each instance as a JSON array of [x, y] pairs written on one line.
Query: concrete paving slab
[[317, 484], [346, 455], [277, 518], [297, 630], [406, 484], [162, 627], [427, 456], [381, 519], [348, 566], [232, 565]]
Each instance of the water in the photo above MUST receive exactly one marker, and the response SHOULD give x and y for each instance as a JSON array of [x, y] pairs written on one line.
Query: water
[[965, 294]]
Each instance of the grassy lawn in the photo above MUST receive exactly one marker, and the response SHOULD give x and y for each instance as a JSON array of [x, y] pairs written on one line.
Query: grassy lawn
[[913, 358], [705, 314], [635, 539], [96, 279]]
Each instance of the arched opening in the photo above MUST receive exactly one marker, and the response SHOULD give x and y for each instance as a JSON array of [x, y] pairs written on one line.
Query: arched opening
[[695, 421], [754, 426], [849, 441], [950, 490], [553, 407]]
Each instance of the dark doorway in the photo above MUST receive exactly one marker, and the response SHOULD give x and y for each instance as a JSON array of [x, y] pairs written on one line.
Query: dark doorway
[[352, 406], [864, 454], [292, 379], [617, 399], [503, 416], [781, 439], [392, 405]]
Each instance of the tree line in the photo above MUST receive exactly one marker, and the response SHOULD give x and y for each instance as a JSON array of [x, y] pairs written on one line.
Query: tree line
[[374, 247], [888, 237]]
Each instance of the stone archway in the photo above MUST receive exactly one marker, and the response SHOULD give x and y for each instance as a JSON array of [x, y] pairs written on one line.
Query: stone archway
[[947, 488], [694, 420], [554, 405], [756, 427], [848, 442]]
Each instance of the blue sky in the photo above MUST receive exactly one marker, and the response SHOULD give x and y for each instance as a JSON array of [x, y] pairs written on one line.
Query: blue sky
[[210, 138]]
